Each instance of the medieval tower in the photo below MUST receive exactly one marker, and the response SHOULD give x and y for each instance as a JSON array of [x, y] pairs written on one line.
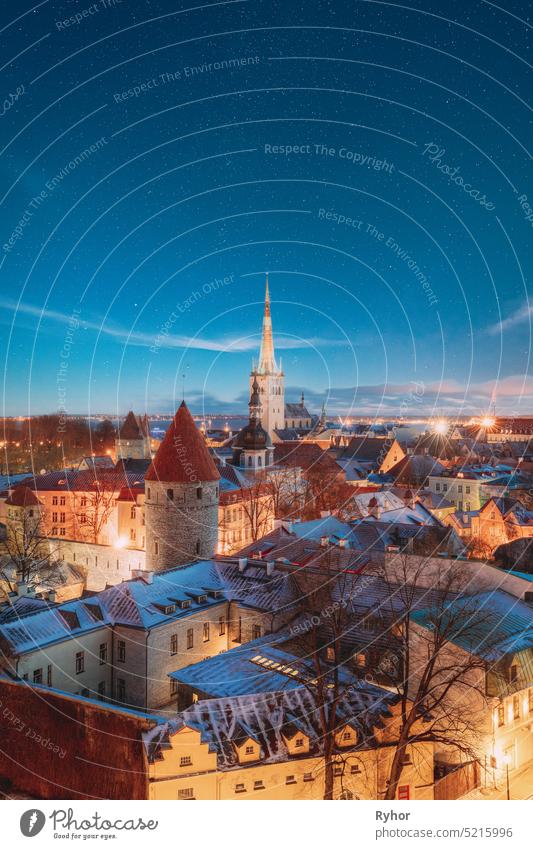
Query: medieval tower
[[270, 379], [181, 498]]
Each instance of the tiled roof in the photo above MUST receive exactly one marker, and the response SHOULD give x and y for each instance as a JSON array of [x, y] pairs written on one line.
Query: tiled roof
[[183, 456], [366, 448], [22, 496], [489, 624], [264, 717], [296, 411], [306, 455]]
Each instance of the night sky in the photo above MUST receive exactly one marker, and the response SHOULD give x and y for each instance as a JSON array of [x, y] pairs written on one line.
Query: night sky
[[157, 158]]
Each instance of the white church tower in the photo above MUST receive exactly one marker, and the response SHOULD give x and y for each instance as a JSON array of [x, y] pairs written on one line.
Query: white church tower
[[270, 379]]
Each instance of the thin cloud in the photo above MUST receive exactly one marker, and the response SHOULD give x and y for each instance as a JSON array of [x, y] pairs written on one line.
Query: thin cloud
[[137, 338], [520, 316]]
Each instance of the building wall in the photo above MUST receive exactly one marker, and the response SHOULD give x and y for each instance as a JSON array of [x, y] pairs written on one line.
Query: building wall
[[272, 394], [181, 529], [104, 564], [464, 493], [135, 449], [298, 778], [62, 658]]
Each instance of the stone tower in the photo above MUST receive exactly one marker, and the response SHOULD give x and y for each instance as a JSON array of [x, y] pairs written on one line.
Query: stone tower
[[270, 378], [133, 438], [181, 498]]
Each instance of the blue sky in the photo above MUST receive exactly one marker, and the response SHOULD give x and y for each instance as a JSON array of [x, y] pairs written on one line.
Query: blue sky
[[373, 160]]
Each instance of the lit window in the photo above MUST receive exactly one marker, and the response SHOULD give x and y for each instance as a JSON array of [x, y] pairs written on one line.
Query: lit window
[[501, 715], [259, 785], [516, 707], [206, 632], [249, 750], [240, 788], [186, 761], [221, 626], [299, 742], [291, 779], [190, 638], [173, 644]]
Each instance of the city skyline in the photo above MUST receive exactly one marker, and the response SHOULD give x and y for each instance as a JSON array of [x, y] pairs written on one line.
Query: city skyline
[[387, 201]]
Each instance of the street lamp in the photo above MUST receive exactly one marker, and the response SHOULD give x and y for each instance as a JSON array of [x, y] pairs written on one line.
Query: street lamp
[[507, 761]]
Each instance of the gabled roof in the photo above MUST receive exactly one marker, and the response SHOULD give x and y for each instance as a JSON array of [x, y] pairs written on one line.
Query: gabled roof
[[296, 411], [366, 449], [22, 496], [305, 455], [183, 456]]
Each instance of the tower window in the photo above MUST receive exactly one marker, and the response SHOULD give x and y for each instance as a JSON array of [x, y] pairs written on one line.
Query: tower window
[[148, 491], [170, 494], [156, 547], [198, 546], [198, 492]]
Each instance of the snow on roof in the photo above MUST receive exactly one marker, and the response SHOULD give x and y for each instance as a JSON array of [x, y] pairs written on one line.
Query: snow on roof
[[226, 722], [490, 624]]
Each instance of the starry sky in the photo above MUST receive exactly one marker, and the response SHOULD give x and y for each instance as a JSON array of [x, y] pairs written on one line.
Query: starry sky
[[157, 158]]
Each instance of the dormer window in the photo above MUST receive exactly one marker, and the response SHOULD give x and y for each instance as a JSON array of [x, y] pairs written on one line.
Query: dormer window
[[299, 743]]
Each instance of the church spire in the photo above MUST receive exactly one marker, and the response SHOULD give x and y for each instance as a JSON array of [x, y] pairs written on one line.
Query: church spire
[[267, 360]]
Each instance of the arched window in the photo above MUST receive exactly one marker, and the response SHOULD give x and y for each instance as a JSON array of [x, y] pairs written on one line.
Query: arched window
[[148, 493], [249, 461], [170, 494], [259, 461]]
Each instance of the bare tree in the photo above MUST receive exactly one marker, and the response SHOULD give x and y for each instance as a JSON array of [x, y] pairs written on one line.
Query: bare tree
[[257, 507], [28, 557], [441, 687], [94, 510], [326, 662]]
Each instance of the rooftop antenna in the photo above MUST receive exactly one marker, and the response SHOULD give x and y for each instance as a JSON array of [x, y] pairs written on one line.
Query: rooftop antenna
[[183, 376]]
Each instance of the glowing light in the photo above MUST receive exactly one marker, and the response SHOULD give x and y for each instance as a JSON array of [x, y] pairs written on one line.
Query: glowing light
[[488, 421], [121, 542], [440, 427]]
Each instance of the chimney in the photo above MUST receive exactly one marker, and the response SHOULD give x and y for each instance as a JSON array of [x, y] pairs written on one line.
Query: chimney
[[270, 567], [324, 541], [22, 589], [147, 577], [52, 596], [243, 561], [343, 543]]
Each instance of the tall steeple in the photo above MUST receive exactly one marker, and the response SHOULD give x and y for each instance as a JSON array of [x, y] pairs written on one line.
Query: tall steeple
[[267, 359]]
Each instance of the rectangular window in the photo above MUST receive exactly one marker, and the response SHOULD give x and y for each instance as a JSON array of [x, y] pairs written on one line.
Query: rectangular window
[[102, 653], [173, 644], [256, 632], [299, 742], [62, 501], [133, 534], [258, 785], [291, 779], [516, 707], [121, 651], [186, 760], [54, 517], [132, 513], [467, 489], [62, 518], [80, 662], [186, 793], [173, 687], [101, 691], [83, 501], [221, 626], [240, 788], [437, 487], [206, 632], [513, 673], [37, 676], [403, 792], [501, 716], [49, 675], [62, 532], [308, 776], [249, 750], [190, 638], [121, 690]]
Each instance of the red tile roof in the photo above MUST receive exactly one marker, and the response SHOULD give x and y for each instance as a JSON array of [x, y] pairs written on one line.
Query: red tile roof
[[22, 496], [306, 455], [183, 456], [134, 427]]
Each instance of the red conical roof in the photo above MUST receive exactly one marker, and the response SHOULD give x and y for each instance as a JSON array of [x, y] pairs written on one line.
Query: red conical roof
[[183, 456]]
